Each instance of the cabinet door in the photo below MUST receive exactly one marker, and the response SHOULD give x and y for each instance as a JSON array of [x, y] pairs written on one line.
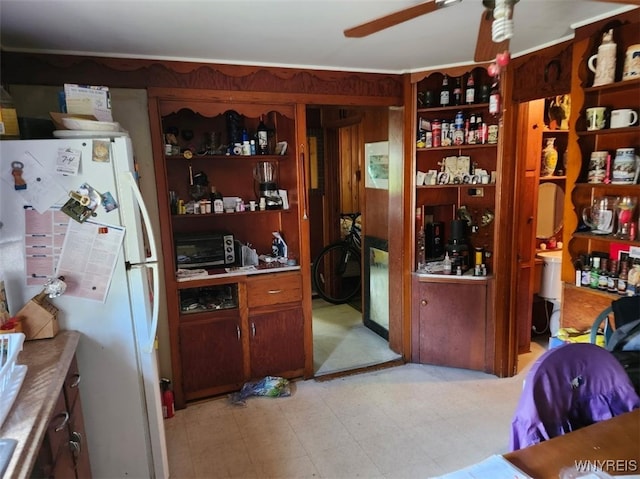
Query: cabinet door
[[78, 441], [211, 353], [54, 458], [452, 328], [277, 343]]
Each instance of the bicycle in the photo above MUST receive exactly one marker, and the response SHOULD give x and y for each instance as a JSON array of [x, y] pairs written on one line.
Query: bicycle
[[336, 272]]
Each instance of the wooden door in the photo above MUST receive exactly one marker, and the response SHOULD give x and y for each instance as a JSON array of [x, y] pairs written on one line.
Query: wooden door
[[530, 123], [351, 143], [277, 342], [452, 332], [211, 352]]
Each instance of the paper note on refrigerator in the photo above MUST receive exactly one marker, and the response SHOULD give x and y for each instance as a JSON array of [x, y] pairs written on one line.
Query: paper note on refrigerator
[[32, 183], [43, 240], [89, 257]]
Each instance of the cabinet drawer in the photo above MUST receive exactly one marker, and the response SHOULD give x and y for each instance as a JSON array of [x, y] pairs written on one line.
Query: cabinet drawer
[[270, 289]]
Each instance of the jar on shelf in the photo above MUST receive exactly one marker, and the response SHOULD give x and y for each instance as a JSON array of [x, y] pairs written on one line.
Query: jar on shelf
[[549, 158]]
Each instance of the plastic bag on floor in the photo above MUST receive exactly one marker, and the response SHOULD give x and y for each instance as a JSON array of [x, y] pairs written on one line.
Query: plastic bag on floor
[[270, 386]]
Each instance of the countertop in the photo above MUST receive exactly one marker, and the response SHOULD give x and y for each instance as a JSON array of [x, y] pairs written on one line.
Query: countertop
[[262, 268], [47, 361]]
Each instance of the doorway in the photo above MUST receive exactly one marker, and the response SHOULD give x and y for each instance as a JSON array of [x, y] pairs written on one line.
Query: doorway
[[543, 134], [342, 339]]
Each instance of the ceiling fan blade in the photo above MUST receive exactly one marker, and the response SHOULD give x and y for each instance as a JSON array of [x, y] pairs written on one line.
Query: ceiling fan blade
[[486, 49], [390, 20]]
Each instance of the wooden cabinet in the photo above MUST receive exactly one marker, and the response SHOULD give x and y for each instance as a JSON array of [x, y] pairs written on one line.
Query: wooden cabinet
[[620, 94], [218, 345], [277, 342], [456, 171], [455, 178], [276, 323], [452, 323], [211, 353], [64, 452]]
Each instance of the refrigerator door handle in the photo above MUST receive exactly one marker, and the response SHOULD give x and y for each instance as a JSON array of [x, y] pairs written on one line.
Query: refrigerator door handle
[[153, 330], [128, 177]]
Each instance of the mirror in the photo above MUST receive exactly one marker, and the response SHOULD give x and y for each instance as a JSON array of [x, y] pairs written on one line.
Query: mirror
[[550, 208]]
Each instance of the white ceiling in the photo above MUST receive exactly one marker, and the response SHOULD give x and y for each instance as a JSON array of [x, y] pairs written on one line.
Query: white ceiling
[[295, 33]]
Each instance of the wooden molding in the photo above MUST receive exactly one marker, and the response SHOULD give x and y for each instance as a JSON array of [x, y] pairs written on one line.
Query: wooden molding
[[39, 69]]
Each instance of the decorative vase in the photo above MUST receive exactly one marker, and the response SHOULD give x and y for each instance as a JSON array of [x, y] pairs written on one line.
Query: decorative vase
[[549, 158]]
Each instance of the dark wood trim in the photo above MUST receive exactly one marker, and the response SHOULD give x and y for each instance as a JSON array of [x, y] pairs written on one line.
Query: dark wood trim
[[506, 241], [302, 86]]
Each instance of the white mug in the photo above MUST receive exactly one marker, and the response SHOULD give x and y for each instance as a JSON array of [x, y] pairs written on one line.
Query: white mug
[[632, 63], [623, 118]]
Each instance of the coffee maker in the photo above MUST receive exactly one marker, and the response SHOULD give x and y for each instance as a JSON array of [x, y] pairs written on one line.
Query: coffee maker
[[265, 174], [457, 246]]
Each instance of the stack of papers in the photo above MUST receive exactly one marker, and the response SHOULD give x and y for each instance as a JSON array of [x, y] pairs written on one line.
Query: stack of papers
[[494, 467]]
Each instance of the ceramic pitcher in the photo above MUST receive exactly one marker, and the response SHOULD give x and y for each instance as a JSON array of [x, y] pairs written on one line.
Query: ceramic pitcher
[[604, 63]]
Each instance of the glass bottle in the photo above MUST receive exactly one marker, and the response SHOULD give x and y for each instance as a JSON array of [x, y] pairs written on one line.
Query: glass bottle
[[217, 205], [444, 91], [586, 274], [470, 92], [622, 279], [612, 285], [262, 135], [457, 92], [494, 99], [603, 280]]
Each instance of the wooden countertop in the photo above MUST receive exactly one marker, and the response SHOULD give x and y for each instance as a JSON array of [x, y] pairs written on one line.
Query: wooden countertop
[[47, 361], [614, 444]]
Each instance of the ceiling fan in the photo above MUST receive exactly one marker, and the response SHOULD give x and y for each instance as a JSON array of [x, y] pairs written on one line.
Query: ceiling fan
[[496, 26]]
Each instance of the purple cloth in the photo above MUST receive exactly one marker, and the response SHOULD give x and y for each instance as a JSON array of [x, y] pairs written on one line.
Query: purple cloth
[[567, 388]]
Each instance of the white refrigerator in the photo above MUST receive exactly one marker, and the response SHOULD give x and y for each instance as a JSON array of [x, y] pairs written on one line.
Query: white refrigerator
[[116, 355]]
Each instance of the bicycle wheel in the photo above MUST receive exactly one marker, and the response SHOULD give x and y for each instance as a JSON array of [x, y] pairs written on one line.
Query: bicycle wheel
[[336, 273]]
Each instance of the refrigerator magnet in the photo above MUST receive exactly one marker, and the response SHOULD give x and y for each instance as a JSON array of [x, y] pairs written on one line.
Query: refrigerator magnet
[[101, 151], [17, 168], [109, 202]]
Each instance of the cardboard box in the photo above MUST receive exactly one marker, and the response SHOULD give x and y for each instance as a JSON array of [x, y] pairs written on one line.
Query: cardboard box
[[39, 318]]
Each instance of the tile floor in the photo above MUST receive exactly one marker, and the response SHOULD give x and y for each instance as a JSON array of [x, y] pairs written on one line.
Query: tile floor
[[410, 421], [341, 342]]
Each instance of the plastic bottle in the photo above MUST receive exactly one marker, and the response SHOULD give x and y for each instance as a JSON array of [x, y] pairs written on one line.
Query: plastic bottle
[[595, 273], [447, 264]]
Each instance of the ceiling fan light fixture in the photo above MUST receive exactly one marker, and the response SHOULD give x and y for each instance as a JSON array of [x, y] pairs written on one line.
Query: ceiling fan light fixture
[[502, 26], [445, 3]]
